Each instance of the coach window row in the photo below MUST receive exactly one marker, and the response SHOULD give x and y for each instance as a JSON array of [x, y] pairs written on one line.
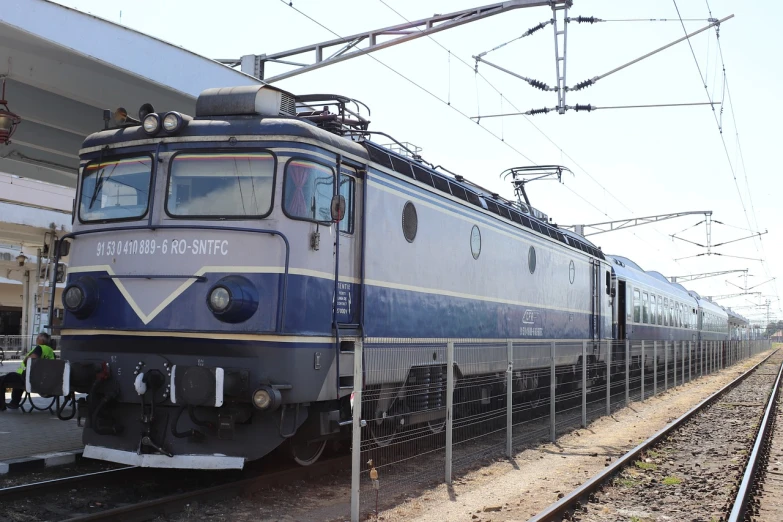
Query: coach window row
[[658, 310], [713, 323]]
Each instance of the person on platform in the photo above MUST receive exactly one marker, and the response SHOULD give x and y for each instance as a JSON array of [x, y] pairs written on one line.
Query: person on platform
[[16, 381]]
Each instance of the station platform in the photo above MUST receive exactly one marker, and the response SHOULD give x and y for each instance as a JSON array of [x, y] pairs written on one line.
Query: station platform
[[36, 435]]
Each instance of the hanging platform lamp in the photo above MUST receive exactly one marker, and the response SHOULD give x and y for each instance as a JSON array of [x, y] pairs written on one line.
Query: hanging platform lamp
[[8, 120]]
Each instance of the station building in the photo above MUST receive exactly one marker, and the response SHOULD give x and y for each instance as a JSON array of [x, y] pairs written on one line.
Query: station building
[[59, 85]]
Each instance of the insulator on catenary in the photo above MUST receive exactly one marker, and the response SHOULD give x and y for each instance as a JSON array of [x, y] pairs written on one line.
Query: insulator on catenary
[[532, 112], [539, 85], [584, 19], [537, 28], [582, 85], [587, 107]]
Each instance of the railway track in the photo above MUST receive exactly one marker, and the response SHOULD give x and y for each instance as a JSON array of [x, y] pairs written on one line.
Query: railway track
[[690, 469], [760, 495], [143, 494]]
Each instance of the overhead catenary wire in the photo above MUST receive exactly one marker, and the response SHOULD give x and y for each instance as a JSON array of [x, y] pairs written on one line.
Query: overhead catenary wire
[[710, 19], [409, 80], [722, 137], [499, 138], [579, 108], [529, 121]]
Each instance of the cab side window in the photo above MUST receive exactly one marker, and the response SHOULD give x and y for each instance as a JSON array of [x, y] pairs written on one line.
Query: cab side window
[[308, 190], [348, 191]]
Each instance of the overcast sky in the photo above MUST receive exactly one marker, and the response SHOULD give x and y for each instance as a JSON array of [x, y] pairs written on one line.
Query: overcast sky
[[626, 162]]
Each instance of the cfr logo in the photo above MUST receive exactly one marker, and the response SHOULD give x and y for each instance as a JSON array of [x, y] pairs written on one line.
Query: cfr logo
[[530, 317]]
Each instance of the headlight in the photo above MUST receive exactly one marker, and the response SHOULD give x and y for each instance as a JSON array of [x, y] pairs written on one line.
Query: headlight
[[81, 296], [172, 122], [73, 297], [219, 299], [233, 299], [151, 123]]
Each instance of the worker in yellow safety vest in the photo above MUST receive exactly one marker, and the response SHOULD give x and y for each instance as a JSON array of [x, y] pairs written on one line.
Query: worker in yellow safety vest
[[16, 381]]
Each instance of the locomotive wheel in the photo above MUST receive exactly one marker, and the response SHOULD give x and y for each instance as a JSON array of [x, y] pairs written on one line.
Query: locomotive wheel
[[384, 428], [436, 426], [307, 453]]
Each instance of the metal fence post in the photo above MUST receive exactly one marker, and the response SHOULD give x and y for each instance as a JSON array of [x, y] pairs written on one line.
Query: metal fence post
[[655, 368], [627, 372], [584, 384], [682, 363], [665, 365], [690, 361], [701, 358], [356, 435], [552, 394], [449, 406], [608, 377], [509, 398], [643, 363], [674, 372]]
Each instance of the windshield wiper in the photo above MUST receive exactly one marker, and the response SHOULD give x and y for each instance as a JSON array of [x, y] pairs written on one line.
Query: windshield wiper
[[99, 183]]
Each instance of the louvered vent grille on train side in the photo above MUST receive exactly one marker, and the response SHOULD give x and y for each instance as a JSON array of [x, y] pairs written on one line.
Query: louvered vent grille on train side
[[287, 105]]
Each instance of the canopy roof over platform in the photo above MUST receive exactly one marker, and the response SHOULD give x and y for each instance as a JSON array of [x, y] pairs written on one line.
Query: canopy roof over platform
[[63, 67]]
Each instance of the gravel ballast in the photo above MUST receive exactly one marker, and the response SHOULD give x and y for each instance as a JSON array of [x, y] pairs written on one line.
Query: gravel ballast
[[694, 473]]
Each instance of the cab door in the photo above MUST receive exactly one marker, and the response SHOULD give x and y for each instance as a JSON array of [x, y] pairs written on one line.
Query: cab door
[[595, 301], [348, 290]]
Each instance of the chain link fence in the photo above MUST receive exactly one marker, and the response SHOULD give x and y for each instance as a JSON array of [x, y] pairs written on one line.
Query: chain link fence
[[427, 411]]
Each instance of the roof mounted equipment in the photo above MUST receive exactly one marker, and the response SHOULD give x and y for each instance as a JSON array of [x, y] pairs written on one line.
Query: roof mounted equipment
[[251, 100]]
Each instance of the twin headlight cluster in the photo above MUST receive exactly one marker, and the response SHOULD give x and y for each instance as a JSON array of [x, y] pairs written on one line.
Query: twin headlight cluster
[[232, 299], [172, 122]]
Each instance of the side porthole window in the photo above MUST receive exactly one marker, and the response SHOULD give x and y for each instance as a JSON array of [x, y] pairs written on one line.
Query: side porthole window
[[410, 222], [571, 272], [475, 242], [531, 259]]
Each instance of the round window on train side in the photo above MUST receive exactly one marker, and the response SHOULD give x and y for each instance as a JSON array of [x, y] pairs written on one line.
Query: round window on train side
[[410, 222], [531, 259], [475, 242]]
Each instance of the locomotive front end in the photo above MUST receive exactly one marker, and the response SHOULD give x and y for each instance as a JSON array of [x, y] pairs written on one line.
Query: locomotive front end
[[199, 319]]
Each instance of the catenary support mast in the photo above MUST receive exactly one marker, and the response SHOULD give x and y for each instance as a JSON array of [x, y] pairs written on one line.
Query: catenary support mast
[[347, 47]]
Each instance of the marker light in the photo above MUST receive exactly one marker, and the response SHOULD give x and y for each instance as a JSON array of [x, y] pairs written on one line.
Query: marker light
[[267, 398], [262, 399], [151, 123], [219, 299], [172, 122]]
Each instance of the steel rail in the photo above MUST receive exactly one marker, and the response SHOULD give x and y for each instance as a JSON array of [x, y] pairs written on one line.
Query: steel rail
[[745, 493], [556, 511], [47, 486], [170, 504]]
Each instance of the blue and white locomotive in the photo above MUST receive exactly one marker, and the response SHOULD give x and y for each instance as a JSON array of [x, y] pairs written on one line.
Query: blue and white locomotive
[[222, 267]]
